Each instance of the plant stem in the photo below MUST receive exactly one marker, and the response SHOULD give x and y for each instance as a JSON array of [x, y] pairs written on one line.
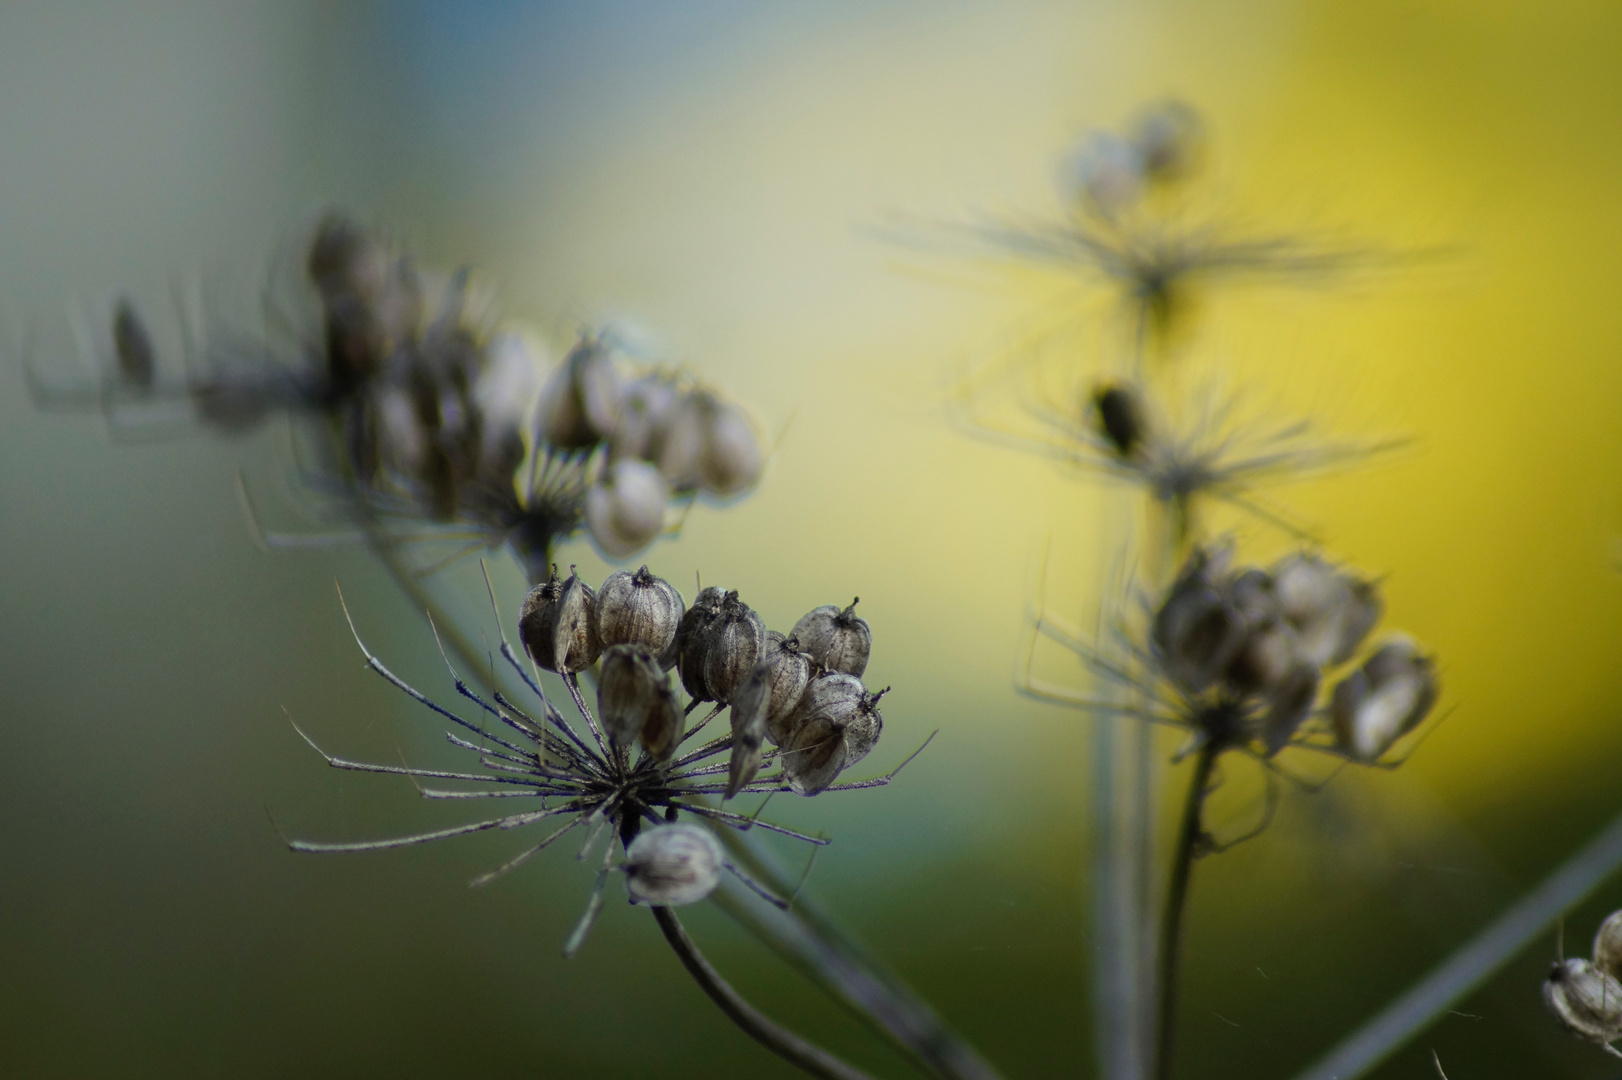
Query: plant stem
[[805, 1056], [1190, 837]]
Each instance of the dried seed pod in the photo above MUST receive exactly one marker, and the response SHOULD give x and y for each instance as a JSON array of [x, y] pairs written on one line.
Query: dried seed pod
[[1586, 1000], [625, 508], [731, 647], [1105, 173], [132, 347], [635, 701], [645, 408], [1120, 417], [638, 609], [1170, 138], [750, 702], [838, 640], [690, 636], [503, 395], [1331, 610], [1197, 633], [1608, 946], [344, 259], [556, 624], [672, 865], [1383, 700], [709, 444], [790, 674], [834, 705], [579, 402], [1289, 703]]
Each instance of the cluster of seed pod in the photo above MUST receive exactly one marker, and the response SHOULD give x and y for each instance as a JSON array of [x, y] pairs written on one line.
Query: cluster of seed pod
[[1586, 996], [1249, 649], [442, 417], [1110, 172], [802, 692]]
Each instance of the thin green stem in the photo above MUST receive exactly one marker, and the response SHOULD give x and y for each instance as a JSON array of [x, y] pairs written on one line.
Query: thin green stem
[[1190, 838], [809, 1058]]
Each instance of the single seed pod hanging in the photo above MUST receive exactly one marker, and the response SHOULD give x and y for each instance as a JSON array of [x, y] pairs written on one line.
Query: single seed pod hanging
[[1608, 946], [673, 865], [814, 756], [579, 402], [790, 673], [1197, 634], [132, 347], [690, 636], [556, 624], [1332, 611], [1270, 653], [837, 703], [636, 701], [838, 640], [1120, 417], [731, 647], [1170, 139], [625, 508], [645, 408], [750, 702], [638, 609], [1383, 700], [709, 445], [1586, 1001]]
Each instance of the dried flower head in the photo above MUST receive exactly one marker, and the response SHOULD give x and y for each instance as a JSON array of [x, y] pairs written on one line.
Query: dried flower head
[[586, 773]]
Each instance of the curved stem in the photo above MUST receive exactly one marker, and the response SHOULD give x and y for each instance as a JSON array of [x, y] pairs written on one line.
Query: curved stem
[[1190, 835], [810, 1059]]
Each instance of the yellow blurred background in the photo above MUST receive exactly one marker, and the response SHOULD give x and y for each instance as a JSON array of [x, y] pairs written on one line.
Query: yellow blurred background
[[722, 174]]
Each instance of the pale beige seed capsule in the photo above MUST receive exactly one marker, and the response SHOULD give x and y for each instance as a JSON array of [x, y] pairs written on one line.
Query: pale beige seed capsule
[[1289, 703], [1383, 700], [1608, 946], [731, 647], [837, 639], [733, 459], [748, 717], [579, 401], [625, 508], [636, 701], [645, 407], [556, 624], [842, 702], [1586, 1001], [790, 674], [1332, 611], [814, 756], [638, 608], [673, 865]]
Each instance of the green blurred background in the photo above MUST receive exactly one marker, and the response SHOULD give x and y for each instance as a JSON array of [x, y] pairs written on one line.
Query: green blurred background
[[718, 172]]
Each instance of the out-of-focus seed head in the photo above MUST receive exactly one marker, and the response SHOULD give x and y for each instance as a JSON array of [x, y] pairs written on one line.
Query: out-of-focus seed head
[[790, 673], [637, 608], [1608, 946], [645, 408], [1120, 418], [556, 624], [1331, 610], [710, 445], [636, 701], [690, 639], [625, 508], [1586, 1000], [750, 702], [731, 647], [1197, 634], [132, 347], [344, 258], [504, 394], [579, 401], [1105, 174], [1170, 140], [836, 638], [836, 706], [673, 865], [1289, 703], [1383, 700]]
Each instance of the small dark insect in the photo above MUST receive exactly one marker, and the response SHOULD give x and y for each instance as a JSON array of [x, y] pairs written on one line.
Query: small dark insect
[[1120, 417], [132, 347]]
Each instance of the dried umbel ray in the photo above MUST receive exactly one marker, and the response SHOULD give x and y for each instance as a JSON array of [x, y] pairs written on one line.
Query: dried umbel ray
[[624, 767]]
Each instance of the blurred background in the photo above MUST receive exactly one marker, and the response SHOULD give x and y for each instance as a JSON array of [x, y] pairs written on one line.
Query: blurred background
[[721, 174]]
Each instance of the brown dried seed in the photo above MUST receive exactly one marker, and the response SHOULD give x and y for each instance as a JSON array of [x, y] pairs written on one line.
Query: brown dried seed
[[837, 640], [556, 624], [790, 674], [690, 636], [731, 647], [635, 701], [814, 756], [638, 608], [1197, 633], [748, 716]]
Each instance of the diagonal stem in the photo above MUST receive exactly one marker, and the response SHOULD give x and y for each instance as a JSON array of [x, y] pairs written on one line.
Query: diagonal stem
[[809, 1058]]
